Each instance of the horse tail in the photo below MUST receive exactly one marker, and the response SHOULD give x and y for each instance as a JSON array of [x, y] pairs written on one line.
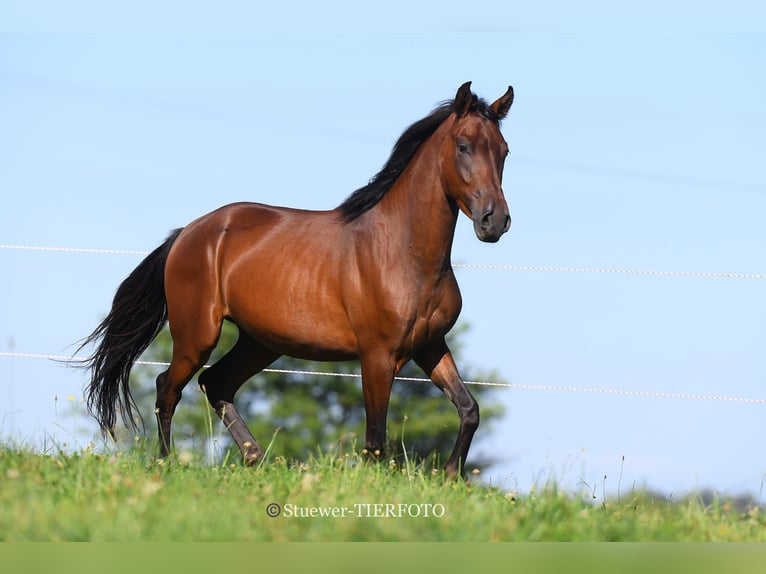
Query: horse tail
[[138, 313]]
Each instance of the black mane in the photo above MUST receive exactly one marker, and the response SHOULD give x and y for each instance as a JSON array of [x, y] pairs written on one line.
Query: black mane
[[364, 198]]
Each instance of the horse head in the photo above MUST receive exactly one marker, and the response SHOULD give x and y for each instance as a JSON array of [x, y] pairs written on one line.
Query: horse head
[[472, 159]]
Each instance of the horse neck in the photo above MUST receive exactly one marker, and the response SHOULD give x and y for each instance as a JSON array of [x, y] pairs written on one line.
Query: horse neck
[[418, 202]]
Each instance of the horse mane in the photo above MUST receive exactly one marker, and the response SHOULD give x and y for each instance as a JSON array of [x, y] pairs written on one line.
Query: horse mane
[[365, 198]]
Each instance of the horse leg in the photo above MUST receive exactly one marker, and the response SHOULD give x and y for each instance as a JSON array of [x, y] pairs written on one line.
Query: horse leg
[[439, 365], [193, 341], [221, 382], [169, 386], [377, 378]]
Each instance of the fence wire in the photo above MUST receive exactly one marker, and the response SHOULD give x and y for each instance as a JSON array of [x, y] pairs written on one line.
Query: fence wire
[[498, 267], [519, 386]]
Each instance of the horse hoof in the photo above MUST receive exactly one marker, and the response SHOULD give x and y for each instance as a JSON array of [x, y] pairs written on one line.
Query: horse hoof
[[451, 473], [253, 458]]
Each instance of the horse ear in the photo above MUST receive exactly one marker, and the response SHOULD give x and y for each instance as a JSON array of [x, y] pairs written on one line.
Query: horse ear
[[503, 103], [463, 99]]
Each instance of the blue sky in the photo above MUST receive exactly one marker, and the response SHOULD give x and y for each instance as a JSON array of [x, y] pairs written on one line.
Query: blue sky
[[637, 141]]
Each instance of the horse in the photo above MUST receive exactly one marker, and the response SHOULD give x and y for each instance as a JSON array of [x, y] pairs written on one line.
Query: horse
[[370, 280]]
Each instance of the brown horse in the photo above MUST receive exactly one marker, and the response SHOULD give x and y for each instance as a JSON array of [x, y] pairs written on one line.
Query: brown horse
[[371, 280]]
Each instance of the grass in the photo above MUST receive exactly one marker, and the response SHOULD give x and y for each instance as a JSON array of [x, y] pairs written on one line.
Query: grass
[[132, 496]]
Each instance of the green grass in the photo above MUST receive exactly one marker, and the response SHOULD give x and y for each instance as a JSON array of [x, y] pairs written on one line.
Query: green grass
[[132, 496]]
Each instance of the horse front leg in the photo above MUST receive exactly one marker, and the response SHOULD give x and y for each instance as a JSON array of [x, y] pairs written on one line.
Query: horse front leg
[[438, 364], [377, 378]]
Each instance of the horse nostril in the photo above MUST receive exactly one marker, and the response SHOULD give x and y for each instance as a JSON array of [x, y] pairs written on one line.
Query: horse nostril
[[486, 219], [507, 224]]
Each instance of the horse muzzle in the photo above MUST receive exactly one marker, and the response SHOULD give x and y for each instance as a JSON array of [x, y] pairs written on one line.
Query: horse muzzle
[[491, 221]]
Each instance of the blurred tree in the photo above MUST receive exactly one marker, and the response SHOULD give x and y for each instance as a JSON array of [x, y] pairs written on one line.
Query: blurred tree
[[319, 411]]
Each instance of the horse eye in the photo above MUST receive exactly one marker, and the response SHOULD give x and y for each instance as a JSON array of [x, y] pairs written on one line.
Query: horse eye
[[463, 148]]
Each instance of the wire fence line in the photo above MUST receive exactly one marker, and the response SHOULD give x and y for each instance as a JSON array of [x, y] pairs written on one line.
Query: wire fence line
[[72, 249], [518, 386], [708, 274], [494, 267]]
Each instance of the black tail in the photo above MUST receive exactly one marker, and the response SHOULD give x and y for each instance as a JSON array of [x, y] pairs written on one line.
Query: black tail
[[138, 314]]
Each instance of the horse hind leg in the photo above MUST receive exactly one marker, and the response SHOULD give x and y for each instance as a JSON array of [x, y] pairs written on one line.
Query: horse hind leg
[[222, 381], [170, 384], [189, 356]]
